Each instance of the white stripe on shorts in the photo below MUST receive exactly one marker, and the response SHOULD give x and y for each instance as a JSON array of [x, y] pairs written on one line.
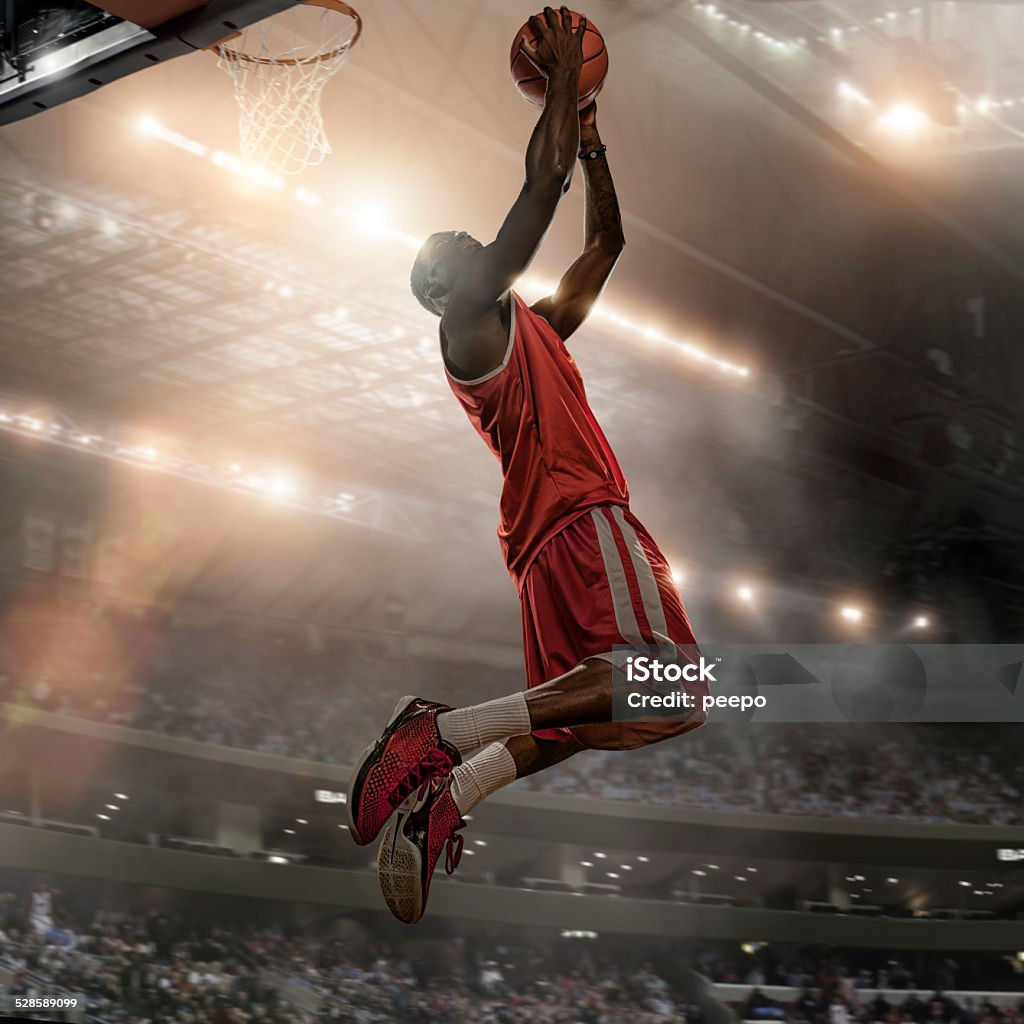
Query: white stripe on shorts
[[625, 617], [650, 595]]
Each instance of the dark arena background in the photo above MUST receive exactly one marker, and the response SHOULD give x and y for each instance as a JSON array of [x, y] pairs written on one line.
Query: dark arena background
[[241, 515]]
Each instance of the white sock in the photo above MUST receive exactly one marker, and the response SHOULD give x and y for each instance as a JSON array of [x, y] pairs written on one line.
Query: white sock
[[476, 779], [472, 727]]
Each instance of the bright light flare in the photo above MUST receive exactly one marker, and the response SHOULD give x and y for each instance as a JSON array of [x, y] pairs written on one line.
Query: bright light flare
[[371, 216], [227, 161], [903, 121], [921, 622], [536, 285], [745, 593], [851, 92], [260, 176], [149, 125], [281, 487], [851, 614], [50, 63]]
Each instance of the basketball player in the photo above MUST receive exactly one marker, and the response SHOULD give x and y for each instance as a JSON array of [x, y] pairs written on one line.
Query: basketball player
[[591, 579]]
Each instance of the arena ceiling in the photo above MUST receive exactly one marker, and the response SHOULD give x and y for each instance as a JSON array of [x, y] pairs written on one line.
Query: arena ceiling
[[767, 216]]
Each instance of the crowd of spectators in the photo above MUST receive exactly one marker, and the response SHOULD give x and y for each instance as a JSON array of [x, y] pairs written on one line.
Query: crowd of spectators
[[165, 961], [865, 987], [158, 968], [298, 694], [926, 774], [125, 979], [521, 986], [831, 972]]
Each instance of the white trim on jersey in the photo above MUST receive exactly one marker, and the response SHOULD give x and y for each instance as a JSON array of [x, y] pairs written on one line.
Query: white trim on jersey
[[508, 350]]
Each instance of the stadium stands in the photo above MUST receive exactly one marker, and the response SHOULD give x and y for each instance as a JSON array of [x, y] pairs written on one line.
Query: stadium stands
[[273, 691]]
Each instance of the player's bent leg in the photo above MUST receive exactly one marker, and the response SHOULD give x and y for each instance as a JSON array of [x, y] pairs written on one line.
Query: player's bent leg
[[424, 739], [632, 735], [533, 754], [581, 702], [581, 695], [578, 697], [412, 844]]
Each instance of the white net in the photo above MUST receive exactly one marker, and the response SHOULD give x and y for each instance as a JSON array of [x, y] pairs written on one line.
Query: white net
[[279, 68]]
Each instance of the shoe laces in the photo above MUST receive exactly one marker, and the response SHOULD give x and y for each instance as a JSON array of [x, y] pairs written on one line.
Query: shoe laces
[[453, 851], [436, 762]]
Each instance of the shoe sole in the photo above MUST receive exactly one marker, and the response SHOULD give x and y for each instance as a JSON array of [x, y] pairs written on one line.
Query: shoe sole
[[356, 781], [399, 867]]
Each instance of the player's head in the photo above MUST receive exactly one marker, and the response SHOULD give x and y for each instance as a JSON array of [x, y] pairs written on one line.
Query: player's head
[[442, 259]]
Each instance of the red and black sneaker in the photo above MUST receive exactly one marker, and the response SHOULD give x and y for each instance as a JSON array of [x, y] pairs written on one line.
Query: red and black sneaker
[[409, 753], [412, 845]]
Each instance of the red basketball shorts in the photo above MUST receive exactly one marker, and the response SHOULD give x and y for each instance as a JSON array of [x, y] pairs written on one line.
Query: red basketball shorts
[[599, 585]]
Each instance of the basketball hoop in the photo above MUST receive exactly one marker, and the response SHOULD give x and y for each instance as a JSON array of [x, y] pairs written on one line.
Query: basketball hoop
[[279, 68]]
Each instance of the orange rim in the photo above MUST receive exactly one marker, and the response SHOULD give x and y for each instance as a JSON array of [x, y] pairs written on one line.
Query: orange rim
[[338, 6]]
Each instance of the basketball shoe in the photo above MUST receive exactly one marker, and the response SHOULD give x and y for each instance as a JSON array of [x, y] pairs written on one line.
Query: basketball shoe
[[409, 753], [411, 847]]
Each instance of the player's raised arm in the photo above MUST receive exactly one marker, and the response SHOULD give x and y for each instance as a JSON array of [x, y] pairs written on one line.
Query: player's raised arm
[[550, 157], [603, 239]]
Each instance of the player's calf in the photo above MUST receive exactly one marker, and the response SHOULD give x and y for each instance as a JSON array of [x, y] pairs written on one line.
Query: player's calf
[[633, 735]]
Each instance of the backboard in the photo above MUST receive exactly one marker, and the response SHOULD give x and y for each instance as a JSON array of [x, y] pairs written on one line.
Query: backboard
[[52, 51]]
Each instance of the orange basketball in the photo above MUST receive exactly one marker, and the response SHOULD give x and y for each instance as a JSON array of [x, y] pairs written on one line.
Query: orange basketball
[[533, 85]]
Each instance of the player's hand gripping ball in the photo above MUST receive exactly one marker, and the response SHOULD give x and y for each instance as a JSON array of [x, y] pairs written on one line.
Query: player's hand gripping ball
[[556, 38]]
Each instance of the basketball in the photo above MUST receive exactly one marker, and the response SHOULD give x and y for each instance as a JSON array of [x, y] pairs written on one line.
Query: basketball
[[532, 84]]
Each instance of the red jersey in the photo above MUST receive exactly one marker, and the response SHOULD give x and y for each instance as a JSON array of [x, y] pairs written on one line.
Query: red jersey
[[532, 412]]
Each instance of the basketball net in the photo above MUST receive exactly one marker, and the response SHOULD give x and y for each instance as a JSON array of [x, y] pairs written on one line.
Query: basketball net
[[279, 68]]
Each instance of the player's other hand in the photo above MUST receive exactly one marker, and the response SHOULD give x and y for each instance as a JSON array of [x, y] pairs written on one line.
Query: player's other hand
[[558, 46], [588, 115]]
